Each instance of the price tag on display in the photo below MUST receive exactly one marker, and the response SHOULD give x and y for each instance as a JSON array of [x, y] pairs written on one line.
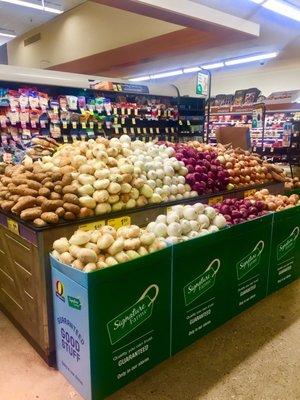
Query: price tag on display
[[151, 131], [172, 130], [74, 125], [92, 125], [132, 131], [145, 131], [157, 131], [115, 111], [125, 130], [92, 226], [249, 192], [116, 130], [13, 226], [215, 200], [133, 121], [122, 121], [123, 111], [119, 222], [83, 125], [74, 137], [116, 120], [129, 111], [65, 138], [180, 122], [188, 122], [167, 130], [65, 124], [136, 112]]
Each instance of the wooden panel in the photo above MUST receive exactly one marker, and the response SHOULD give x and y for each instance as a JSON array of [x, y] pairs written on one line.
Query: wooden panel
[[123, 60]]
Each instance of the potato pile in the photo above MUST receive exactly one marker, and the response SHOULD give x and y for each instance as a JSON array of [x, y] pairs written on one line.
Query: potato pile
[[276, 202], [42, 146], [39, 196], [104, 247]]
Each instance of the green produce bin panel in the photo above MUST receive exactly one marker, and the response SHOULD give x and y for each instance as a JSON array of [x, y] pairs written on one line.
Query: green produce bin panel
[[249, 259], [128, 323], [199, 288], [285, 253]]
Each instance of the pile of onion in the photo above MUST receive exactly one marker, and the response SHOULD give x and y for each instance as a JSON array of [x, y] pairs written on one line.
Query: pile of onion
[[275, 202], [236, 211], [205, 173]]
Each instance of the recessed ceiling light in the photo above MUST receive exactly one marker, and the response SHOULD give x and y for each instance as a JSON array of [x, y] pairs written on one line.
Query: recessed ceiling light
[[33, 5], [213, 66], [280, 7], [140, 79], [7, 35], [166, 74], [251, 59], [191, 69]]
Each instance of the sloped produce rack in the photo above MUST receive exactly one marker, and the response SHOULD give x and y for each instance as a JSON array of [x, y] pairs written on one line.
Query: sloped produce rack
[[25, 282], [113, 325]]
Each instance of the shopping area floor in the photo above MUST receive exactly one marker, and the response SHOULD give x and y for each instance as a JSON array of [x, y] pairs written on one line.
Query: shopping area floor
[[255, 356]]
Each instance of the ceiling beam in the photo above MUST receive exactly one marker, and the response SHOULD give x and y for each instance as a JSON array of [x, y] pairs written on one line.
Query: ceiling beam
[[186, 13]]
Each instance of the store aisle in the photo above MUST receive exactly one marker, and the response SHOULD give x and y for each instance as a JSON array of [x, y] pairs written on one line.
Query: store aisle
[[255, 356]]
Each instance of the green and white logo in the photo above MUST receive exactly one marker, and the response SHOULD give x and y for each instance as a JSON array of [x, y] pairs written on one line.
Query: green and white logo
[[288, 244], [251, 261], [130, 319], [202, 283]]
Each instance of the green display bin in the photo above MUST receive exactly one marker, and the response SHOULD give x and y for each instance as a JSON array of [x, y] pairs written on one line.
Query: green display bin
[[248, 268], [285, 253], [200, 287], [112, 325]]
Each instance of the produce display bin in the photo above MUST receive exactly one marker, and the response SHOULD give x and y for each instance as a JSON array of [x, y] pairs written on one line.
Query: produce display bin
[[200, 287], [25, 281], [247, 274], [285, 252], [112, 325]]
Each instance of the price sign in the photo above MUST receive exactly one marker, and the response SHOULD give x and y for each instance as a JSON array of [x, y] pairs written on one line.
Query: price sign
[[157, 130], [139, 130], [132, 131], [92, 226], [83, 124], [249, 192], [151, 131], [125, 130], [123, 111], [119, 222], [65, 124], [65, 138], [115, 111], [129, 111], [13, 226], [215, 200], [133, 121], [116, 120], [92, 125], [122, 121], [145, 131], [74, 125]]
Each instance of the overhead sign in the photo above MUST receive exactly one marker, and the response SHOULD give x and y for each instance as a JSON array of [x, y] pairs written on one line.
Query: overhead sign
[[202, 84]]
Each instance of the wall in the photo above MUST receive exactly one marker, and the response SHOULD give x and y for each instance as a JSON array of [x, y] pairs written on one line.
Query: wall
[[87, 29], [281, 75]]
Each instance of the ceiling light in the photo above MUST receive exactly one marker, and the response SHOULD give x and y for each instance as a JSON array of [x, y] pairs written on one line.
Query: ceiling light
[[280, 7], [33, 5], [251, 59], [213, 66], [140, 79], [7, 35], [191, 69], [167, 74]]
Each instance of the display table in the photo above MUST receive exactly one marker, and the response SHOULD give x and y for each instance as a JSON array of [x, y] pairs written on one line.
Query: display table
[[25, 281]]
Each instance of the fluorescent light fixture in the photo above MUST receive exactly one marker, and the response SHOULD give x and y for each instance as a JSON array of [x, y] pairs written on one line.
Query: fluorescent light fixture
[[140, 79], [167, 74], [283, 8], [251, 59], [213, 66], [7, 35], [191, 69], [280, 7], [33, 5]]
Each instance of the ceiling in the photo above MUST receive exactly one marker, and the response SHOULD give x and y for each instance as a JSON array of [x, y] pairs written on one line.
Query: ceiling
[[277, 33], [17, 20], [131, 54]]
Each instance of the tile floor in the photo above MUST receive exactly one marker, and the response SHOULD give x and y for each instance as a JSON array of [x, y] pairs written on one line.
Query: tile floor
[[255, 356]]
